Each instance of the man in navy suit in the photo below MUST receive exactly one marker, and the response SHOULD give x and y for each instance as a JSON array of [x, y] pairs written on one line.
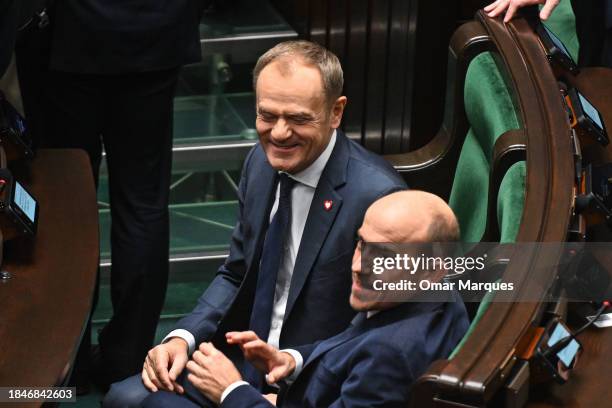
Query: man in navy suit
[[303, 193], [372, 363]]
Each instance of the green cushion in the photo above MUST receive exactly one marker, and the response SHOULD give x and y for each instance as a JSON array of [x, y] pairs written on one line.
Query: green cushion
[[511, 200], [488, 104], [468, 197], [490, 111], [484, 305]]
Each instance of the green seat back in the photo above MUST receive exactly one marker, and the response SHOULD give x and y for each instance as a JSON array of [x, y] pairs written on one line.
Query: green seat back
[[490, 115], [510, 201], [490, 111]]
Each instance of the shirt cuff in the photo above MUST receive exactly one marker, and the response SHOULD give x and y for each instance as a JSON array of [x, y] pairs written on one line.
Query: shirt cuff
[[183, 334], [299, 362], [231, 388]]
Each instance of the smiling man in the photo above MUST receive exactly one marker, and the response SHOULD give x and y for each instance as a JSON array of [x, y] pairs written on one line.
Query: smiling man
[[372, 363], [303, 193]]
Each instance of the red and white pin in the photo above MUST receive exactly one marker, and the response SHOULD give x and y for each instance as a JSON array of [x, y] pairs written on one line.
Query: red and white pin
[[327, 204]]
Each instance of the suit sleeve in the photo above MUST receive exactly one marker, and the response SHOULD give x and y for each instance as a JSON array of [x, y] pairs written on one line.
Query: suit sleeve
[[380, 378], [306, 350], [245, 396], [214, 303]]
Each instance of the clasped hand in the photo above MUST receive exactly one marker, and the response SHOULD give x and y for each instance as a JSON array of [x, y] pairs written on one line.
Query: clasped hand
[[210, 371], [263, 356]]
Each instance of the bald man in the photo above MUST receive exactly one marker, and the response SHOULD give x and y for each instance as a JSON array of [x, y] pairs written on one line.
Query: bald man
[[372, 363]]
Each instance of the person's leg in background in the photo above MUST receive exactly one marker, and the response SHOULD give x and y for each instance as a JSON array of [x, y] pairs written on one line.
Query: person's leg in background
[[73, 117], [138, 143], [590, 28]]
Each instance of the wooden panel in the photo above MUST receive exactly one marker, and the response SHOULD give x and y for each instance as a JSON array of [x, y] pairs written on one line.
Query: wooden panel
[[399, 86], [317, 27], [376, 74], [435, 26], [354, 69], [338, 23], [45, 304]]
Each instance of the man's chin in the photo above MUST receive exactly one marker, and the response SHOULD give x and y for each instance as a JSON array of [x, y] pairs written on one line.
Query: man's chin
[[282, 164], [359, 305]]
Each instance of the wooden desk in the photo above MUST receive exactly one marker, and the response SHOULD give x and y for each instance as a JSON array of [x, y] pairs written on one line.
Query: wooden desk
[[589, 385], [44, 306]]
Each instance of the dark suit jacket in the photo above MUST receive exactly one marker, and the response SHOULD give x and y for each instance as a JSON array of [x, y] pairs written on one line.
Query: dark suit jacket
[[371, 364], [14, 14], [124, 36], [317, 307]]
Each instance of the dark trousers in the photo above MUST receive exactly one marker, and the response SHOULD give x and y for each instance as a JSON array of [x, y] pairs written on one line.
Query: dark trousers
[[131, 116], [594, 32]]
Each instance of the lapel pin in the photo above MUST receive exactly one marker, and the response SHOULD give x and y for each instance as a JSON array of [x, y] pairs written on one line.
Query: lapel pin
[[327, 204]]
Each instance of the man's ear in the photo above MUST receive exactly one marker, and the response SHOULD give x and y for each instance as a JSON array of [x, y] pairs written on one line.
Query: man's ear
[[337, 111]]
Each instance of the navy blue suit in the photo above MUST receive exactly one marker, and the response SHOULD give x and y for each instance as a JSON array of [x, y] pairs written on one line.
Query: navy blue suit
[[371, 364], [317, 306]]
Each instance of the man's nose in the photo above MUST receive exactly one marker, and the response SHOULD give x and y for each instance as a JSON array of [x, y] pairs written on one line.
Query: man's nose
[[281, 130], [356, 266]]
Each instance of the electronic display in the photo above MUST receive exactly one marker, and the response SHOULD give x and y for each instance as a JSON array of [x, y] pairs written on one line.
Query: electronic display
[[558, 43], [567, 354], [585, 117], [590, 111], [25, 202], [556, 51]]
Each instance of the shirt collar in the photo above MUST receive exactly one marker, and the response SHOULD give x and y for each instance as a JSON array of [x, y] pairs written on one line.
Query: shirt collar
[[310, 175], [372, 313]]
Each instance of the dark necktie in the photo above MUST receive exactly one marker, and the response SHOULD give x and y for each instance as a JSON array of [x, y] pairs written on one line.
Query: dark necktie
[[359, 319], [271, 257]]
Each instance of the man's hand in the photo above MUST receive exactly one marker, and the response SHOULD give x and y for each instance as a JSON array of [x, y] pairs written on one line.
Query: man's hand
[[271, 398], [163, 365], [263, 356], [211, 372], [511, 6]]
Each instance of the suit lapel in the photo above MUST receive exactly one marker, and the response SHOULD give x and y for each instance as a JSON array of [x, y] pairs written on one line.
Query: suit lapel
[[361, 324], [320, 220], [261, 209], [357, 327]]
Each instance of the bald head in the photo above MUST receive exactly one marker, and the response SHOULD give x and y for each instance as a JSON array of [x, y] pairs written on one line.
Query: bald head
[[406, 217], [411, 216]]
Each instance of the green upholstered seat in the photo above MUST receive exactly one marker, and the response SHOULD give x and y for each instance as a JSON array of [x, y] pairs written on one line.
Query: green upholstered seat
[[490, 112], [510, 200]]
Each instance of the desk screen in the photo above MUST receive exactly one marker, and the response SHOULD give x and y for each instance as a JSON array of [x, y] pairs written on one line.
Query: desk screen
[[25, 202], [568, 354], [558, 42], [591, 111]]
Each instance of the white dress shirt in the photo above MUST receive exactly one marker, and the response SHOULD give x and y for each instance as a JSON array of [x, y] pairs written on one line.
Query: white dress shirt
[[301, 198]]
